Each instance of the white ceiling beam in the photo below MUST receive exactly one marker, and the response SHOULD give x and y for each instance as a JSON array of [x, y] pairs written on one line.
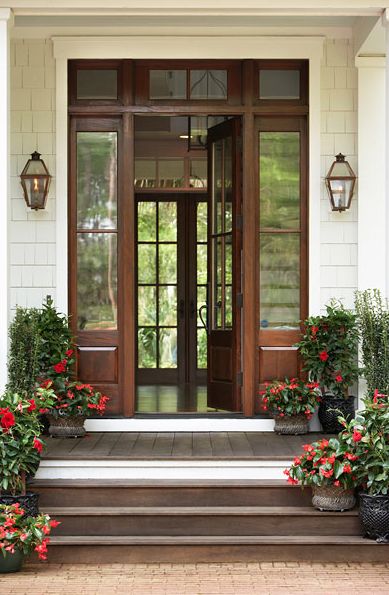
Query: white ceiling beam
[[216, 7]]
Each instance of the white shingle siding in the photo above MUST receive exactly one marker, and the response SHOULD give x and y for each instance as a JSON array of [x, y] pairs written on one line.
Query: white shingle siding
[[32, 235], [339, 267]]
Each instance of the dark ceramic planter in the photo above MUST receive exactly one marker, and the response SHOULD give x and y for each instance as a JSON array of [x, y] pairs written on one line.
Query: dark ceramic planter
[[66, 426], [374, 515], [29, 502], [11, 562], [329, 410]]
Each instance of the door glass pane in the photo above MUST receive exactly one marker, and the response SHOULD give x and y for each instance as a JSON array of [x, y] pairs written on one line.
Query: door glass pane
[[208, 84], [202, 221], [280, 280], [167, 222], [167, 84], [97, 84], [217, 186], [279, 84], [147, 348], [201, 348], [96, 180], [228, 184], [147, 263], [228, 307], [167, 263], [228, 259], [279, 174], [167, 304], [147, 306], [202, 263], [201, 301], [167, 348], [147, 218], [96, 281]]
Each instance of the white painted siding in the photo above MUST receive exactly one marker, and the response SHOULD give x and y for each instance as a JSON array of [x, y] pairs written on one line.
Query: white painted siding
[[339, 265], [32, 235]]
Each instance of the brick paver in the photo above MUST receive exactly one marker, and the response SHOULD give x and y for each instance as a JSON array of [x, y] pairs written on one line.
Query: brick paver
[[199, 579]]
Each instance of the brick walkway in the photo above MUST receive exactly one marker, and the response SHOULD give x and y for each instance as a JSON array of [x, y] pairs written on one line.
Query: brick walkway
[[196, 579]]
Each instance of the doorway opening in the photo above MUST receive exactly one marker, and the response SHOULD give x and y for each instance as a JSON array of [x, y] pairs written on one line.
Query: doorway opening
[[181, 261]]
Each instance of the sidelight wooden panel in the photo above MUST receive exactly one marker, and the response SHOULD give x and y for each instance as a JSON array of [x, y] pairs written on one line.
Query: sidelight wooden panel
[[98, 364]]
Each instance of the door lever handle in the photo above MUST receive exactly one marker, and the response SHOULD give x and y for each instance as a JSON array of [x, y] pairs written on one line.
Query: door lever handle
[[204, 308]]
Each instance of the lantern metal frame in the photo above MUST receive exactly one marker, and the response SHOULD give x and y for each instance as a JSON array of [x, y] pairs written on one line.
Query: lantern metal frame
[[335, 206], [25, 178]]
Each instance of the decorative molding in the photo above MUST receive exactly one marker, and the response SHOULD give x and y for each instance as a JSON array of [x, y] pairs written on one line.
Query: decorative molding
[[370, 62]]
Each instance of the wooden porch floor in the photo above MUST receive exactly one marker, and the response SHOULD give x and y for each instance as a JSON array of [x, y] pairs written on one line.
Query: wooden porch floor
[[178, 445]]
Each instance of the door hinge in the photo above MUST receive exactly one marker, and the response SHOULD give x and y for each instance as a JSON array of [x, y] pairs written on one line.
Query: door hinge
[[239, 379], [239, 300], [239, 222]]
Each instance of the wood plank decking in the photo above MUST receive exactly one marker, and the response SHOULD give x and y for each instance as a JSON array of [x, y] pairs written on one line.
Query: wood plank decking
[[178, 445]]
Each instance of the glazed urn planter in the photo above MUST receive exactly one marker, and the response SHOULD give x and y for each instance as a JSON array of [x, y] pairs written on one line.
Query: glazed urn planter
[[29, 502], [291, 424], [332, 498], [329, 410], [70, 426], [374, 515], [11, 562]]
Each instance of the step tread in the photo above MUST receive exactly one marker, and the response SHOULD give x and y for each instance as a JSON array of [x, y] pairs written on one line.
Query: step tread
[[281, 540], [192, 511], [160, 483]]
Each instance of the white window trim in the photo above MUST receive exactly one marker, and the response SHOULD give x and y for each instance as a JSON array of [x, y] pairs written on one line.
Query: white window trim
[[200, 47]]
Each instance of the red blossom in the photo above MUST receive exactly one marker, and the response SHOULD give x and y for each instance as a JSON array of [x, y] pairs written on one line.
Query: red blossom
[[339, 378], [69, 353], [7, 421], [357, 436], [37, 444], [32, 406], [323, 355], [60, 367]]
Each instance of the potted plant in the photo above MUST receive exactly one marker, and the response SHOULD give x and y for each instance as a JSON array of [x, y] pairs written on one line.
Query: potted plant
[[21, 535], [329, 467], [21, 445], [368, 436], [329, 348], [292, 403], [373, 321], [75, 401]]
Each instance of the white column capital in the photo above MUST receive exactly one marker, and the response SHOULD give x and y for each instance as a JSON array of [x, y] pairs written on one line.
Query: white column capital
[[6, 14]]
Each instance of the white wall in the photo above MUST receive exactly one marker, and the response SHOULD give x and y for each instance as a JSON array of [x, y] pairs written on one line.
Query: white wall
[[32, 234], [339, 231]]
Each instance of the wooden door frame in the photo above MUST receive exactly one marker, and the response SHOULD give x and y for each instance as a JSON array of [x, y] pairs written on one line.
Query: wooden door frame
[[247, 110]]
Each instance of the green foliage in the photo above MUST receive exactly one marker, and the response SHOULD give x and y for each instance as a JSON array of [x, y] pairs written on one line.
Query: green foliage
[[368, 437], [373, 319], [55, 336], [329, 349], [324, 463], [24, 533], [291, 397], [75, 398], [20, 442], [23, 359]]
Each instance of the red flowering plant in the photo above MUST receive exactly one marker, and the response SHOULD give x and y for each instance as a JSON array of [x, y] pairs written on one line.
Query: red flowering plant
[[329, 348], [76, 398], [20, 437], [367, 437], [290, 397], [24, 533], [324, 463]]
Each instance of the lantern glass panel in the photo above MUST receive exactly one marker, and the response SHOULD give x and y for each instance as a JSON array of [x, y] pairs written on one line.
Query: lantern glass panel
[[340, 169], [341, 191], [36, 192], [35, 167]]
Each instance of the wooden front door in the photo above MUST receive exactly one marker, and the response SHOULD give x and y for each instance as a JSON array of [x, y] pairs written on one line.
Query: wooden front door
[[171, 287], [224, 261]]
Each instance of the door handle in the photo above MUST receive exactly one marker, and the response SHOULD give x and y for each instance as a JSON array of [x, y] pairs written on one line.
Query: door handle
[[204, 308]]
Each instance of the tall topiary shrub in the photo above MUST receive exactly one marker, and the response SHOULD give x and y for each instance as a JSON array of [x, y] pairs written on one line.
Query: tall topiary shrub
[[373, 320], [23, 360]]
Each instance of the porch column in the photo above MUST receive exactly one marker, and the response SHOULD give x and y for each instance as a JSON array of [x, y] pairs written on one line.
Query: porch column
[[372, 175], [5, 17]]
